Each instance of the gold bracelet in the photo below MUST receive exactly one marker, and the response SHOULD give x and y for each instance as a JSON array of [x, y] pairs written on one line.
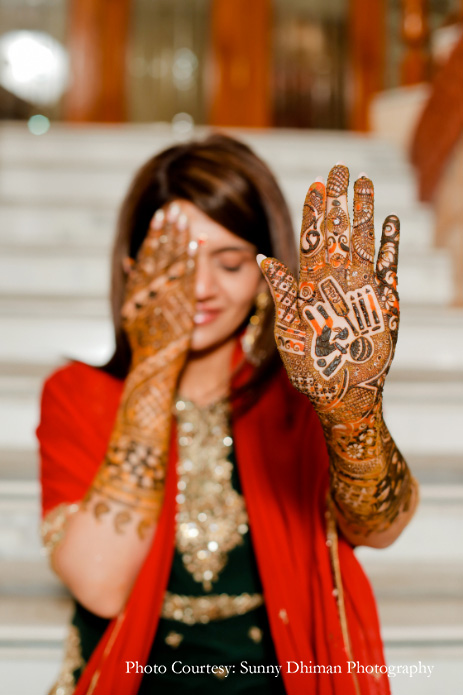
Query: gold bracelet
[[53, 526]]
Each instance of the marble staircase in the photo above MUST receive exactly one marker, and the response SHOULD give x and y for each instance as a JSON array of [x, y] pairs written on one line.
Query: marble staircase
[[58, 202]]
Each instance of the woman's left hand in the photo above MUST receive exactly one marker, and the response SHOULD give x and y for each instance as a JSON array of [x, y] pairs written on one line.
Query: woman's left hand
[[336, 329]]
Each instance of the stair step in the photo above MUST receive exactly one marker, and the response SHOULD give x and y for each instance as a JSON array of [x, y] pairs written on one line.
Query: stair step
[[51, 226], [122, 144], [81, 328], [32, 620], [424, 417], [432, 470], [84, 273], [425, 562], [93, 227], [104, 183]]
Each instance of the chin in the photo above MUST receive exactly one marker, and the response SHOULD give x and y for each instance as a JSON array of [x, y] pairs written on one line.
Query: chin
[[204, 341]]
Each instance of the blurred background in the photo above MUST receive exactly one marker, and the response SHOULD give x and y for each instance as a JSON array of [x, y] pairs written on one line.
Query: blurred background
[[89, 89]]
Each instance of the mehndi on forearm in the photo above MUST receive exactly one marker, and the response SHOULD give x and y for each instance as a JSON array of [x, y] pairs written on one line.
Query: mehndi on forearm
[[371, 484], [336, 328], [130, 482], [158, 320]]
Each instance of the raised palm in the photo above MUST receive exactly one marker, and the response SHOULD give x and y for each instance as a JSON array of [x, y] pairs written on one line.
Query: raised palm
[[336, 329], [158, 308]]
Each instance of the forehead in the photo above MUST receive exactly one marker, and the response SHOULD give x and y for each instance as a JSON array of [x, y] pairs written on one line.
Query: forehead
[[204, 228]]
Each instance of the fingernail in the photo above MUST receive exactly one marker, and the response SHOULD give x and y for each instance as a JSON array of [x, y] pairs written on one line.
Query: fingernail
[[182, 222], [173, 212], [259, 258], [363, 175], [192, 247], [341, 163], [158, 219], [320, 179]]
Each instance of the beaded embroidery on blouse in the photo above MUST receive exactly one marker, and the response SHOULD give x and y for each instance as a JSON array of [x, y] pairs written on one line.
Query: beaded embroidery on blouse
[[211, 517]]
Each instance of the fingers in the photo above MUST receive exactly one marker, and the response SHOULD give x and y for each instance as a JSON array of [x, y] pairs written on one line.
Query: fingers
[[283, 289], [165, 254], [388, 256], [169, 246], [386, 272], [312, 243], [337, 223], [166, 240], [363, 233]]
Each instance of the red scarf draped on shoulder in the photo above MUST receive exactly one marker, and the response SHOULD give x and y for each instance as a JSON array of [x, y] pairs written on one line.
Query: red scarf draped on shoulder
[[283, 467]]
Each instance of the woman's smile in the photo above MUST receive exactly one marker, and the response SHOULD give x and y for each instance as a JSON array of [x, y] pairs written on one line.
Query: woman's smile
[[204, 316], [227, 280]]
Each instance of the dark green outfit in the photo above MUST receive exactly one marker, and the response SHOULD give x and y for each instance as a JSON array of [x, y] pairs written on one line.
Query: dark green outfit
[[229, 641]]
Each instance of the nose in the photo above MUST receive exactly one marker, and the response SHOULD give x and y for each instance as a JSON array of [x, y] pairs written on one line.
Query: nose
[[205, 284]]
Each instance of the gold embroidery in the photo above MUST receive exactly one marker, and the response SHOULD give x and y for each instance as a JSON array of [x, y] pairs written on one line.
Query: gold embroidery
[[71, 662], [220, 673], [255, 633], [203, 609], [54, 525], [173, 639], [211, 517]]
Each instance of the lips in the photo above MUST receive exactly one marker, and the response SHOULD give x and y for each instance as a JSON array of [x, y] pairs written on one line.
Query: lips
[[205, 316]]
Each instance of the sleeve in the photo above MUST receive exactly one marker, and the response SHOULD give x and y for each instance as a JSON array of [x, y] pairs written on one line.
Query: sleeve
[[72, 439]]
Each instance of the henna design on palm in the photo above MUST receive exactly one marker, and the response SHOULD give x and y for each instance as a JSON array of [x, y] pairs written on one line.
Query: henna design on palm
[[336, 330], [157, 317]]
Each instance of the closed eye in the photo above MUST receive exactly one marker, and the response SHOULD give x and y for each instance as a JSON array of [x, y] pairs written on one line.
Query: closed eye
[[231, 268]]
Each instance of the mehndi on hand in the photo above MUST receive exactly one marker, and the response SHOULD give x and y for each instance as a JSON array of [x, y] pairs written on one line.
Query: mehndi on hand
[[336, 328], [157, 313], [157, 317]]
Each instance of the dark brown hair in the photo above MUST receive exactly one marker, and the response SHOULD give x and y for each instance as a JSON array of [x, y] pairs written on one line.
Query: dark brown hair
[[230, 184]]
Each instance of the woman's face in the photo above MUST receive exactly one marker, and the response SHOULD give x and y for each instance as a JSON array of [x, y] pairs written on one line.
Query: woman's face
[[227, 279]]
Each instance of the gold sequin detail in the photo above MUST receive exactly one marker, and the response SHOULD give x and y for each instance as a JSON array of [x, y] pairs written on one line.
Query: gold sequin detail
[[255, 633], [202, 609], [71, 662], [211, 517], [220, 673], [173, 639]]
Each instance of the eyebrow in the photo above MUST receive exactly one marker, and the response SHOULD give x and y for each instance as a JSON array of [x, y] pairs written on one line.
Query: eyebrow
[[224, 249]]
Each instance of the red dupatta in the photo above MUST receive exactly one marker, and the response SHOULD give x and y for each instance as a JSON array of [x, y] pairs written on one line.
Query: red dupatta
[[283, 467]]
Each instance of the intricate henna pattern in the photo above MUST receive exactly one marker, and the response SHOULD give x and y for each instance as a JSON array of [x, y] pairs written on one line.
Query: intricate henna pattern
[[336, 330], [158, 320], [337, 224]]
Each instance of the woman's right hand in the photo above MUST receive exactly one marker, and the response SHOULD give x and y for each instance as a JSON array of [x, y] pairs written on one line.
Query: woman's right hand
[[107, 539], [157, 314], [158, 319]]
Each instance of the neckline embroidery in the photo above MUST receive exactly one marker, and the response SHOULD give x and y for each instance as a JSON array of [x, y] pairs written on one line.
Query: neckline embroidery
[[211, 516]]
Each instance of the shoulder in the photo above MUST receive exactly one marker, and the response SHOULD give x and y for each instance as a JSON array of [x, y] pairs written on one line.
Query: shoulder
[[78, 375], [77, 380], [80, 395], [78, 407]]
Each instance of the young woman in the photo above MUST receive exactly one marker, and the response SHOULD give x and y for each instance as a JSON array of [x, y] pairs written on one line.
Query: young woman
[[191, 494]]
